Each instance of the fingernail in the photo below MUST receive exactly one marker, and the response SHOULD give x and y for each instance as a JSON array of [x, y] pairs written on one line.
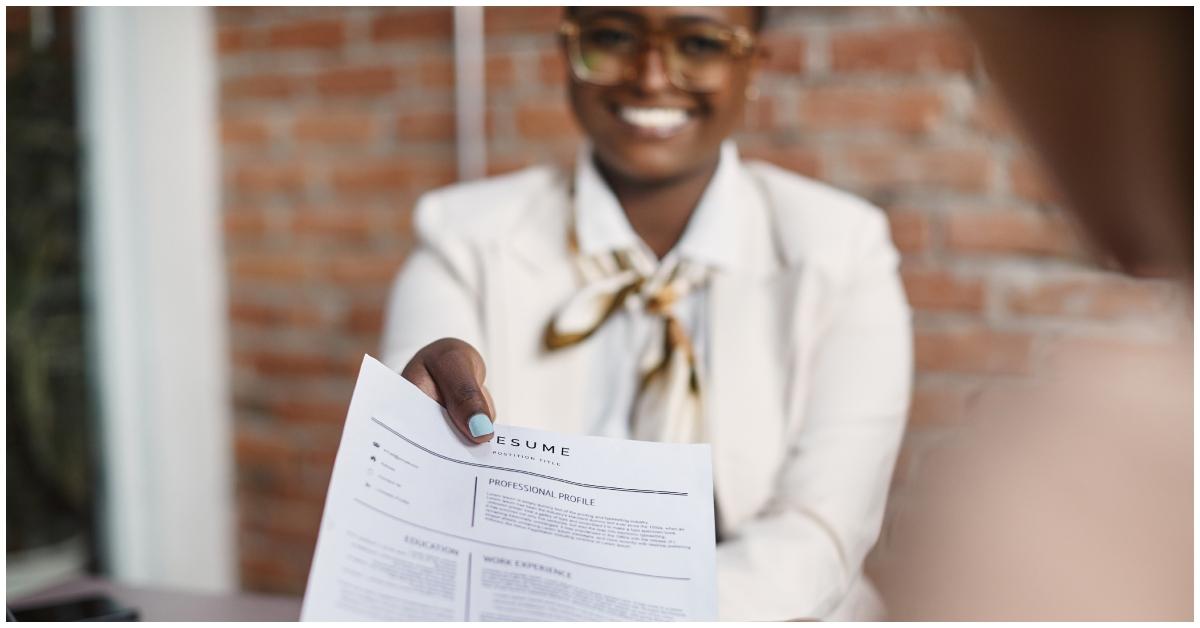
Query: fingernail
[[480, 425]]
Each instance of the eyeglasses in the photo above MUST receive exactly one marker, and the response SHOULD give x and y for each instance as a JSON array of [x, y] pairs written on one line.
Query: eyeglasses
[[697, 56]]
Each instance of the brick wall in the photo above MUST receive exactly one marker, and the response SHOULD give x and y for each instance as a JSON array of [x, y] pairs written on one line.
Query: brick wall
[[334, 120]]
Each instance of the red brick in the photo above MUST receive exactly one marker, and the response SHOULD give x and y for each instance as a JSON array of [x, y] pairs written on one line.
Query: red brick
[[334, 127], [377, 268], [297, 518], [294, 519], [1029, 181], [270, 463], [233, 40], [270, 177], [392, 175], [500, 72], [799, 160], [961, 169], [293, 315], [322, 34], [271, 574], [321, 458], [365, 319], [249, 224], [1100, 297], [268, 266], [786, 54], [293, 550], [937, 290], [281, 479], [561, 153], [308, 411], [414, 24], [760, 115], [508, 163], [1014, 232], [244, 131], [489, 124], [426, 126], [976, 350], [539, 122], [240, 14], [552, 68], [902, 49], [348, 225], [256, 445], [398, 220], [293, 363], [262, 571], [437, 73], [371, 177], [910, 230], [900, 109], [357, 81], [282, 561], [261, 87], [991, 116], [503, 20]]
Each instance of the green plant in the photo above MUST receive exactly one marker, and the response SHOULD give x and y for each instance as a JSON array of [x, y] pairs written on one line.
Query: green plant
[[49, 446]]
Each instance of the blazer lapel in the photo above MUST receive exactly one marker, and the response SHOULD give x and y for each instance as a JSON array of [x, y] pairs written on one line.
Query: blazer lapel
[[533, 276], [749, 332], [744, 409]]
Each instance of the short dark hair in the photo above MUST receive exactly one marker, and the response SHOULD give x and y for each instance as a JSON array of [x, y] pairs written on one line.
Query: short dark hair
[[760, 16]]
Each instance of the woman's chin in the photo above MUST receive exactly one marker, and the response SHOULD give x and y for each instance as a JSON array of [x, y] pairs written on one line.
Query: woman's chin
[[653, 164]]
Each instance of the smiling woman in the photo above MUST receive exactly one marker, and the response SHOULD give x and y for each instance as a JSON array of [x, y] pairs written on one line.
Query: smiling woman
[[658, 93], [664, 289]]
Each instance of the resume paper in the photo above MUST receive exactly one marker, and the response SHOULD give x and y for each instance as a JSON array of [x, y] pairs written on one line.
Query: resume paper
[[421, 524]]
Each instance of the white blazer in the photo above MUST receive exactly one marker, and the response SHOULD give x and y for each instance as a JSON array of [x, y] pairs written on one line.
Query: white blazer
[[810, 349]]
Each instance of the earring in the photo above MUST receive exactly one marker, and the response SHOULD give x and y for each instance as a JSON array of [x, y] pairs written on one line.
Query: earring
[[751, 92]]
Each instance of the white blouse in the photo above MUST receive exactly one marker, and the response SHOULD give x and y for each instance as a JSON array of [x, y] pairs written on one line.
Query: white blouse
[[601, 227]]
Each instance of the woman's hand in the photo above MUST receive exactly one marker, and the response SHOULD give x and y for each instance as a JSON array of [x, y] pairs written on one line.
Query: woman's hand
[[451, 372]]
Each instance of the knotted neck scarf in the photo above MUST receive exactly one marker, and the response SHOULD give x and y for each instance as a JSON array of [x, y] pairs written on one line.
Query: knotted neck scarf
[[667, 405]]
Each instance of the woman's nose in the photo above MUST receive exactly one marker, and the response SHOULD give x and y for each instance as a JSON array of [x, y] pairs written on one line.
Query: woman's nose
[[652, 71]]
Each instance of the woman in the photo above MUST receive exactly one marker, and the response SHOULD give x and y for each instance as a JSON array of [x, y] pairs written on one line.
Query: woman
[[664, 290]]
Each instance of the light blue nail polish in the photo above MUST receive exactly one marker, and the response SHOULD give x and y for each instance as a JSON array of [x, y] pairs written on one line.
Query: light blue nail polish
[[480, 425]]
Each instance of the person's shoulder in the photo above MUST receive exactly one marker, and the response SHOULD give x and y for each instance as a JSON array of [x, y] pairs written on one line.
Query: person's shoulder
[[485, 207], [814, 201], [812, 217]]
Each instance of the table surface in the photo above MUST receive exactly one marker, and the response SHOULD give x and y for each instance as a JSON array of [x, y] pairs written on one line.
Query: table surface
[[165, 605]]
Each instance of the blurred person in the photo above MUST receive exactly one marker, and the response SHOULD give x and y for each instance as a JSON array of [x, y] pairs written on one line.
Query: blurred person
[[664, 289], [1072, 499]]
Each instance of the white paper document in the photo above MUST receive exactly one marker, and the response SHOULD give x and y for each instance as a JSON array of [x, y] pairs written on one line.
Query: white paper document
[[420, 524]]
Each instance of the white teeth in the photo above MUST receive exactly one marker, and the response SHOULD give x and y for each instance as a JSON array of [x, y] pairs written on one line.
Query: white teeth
[[658, 118]]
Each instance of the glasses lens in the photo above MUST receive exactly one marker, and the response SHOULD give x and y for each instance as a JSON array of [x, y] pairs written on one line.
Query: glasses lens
[[703, 56], [699, 57], [606, 49]]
